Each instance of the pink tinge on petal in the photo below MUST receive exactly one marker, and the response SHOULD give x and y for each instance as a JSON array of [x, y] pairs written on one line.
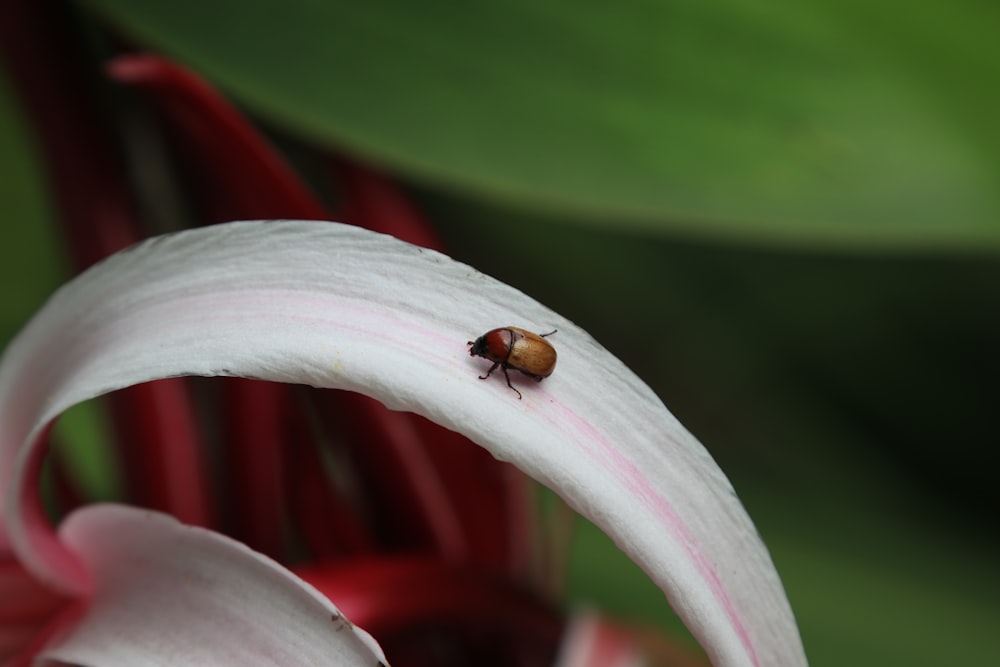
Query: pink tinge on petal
[[646, 480], [65, 572], [167, 593], [639, 486], [593, 641]]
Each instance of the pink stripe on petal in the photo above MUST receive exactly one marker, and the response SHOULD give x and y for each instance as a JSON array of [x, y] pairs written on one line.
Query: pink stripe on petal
[[592, 440]]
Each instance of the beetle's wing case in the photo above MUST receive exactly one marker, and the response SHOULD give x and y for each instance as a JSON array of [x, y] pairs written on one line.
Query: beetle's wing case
[[532, 355]]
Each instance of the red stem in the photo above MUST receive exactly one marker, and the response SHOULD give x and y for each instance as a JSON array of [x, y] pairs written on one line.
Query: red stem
[[237, 172], [408, 603]]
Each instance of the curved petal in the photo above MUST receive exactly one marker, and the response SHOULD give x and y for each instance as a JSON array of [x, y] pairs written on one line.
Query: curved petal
[[335, 306], [167, 594]]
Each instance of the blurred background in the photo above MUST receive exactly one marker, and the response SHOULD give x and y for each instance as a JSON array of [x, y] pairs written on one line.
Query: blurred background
[[784, 217]]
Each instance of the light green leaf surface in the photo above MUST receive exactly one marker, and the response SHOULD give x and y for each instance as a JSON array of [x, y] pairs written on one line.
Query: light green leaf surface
[[844, 123]]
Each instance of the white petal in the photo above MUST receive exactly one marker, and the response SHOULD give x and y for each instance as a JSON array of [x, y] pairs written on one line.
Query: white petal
[[335, 306], [170, 594]]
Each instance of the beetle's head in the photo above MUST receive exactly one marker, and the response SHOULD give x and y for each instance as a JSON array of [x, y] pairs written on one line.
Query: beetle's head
[[479, 348]]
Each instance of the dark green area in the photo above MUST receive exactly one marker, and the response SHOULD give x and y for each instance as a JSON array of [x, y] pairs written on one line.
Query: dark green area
[[29, 260], [860, 124]]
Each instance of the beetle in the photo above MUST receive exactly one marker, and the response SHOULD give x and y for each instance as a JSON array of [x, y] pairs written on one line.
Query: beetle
[[513, 347]]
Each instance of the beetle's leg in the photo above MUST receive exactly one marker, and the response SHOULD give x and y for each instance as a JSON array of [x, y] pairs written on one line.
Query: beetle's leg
[[492, 368], [549, 333], [509, 384]]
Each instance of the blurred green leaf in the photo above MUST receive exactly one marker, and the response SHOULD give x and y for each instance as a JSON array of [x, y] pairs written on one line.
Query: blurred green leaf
[[29, 265], [845, 123], [878, 585], [83, 439]]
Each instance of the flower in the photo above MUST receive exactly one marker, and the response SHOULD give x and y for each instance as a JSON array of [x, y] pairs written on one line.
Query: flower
[[322, 509], [334, 306]]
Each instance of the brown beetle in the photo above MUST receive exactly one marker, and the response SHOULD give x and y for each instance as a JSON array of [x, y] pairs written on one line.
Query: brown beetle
[[512, 347]]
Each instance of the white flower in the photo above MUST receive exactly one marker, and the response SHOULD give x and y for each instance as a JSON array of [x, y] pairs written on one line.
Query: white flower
[[330, 305]]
